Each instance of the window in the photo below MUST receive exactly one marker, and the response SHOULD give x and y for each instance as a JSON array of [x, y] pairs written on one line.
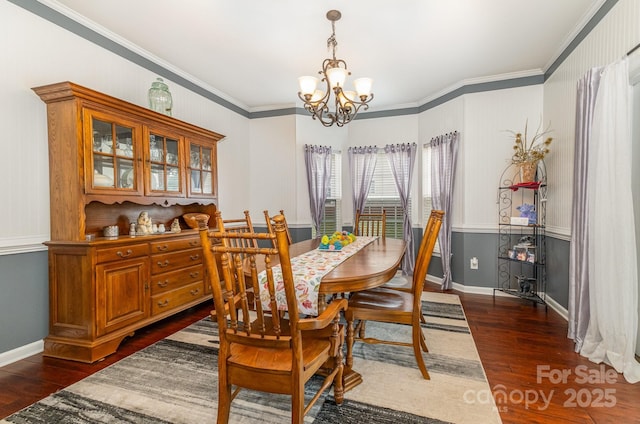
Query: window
[[383, 195], [332, 220], [427, 204]]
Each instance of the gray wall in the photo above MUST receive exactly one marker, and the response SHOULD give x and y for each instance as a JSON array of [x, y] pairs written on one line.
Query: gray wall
[[558, 270], [24, 303], [480, 245]]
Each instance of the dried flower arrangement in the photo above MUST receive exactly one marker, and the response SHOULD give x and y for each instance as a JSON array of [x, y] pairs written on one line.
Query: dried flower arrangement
[[526, 151]]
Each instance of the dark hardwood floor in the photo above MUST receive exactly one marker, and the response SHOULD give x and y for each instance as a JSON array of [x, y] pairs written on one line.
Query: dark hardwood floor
[[524, 350]]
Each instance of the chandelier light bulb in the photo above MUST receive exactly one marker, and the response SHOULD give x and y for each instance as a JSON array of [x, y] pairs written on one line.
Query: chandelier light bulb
[[337, 77], [363, 87], [317, 96], [307, 85], [346, 99]]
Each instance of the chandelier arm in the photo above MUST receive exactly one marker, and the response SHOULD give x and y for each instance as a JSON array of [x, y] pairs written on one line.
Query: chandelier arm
[[328, 120]]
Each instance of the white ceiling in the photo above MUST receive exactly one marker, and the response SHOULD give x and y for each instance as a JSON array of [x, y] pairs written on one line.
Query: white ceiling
[[251, 52]]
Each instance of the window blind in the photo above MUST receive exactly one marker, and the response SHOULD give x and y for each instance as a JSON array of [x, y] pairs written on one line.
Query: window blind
[[332, 220], [427, 202], [383, 195]]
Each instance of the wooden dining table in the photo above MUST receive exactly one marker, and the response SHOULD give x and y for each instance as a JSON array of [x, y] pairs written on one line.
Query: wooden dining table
[[372, 266]]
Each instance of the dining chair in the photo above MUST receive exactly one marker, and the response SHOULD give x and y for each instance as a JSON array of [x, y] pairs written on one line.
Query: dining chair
[[397, 306], [238, 226], [269, 221], [262, 351], [370, 224]]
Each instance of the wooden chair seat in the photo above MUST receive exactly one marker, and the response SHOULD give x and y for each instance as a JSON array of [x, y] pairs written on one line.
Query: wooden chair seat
[[275, 361], [379, 300]]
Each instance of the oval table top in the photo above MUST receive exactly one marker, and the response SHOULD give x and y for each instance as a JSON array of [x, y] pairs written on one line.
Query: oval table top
[[370, 267]]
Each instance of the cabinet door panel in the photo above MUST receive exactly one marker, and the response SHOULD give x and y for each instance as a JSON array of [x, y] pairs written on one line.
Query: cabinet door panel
[[202, 174], [122, 294], [112, 153], [164, 164]]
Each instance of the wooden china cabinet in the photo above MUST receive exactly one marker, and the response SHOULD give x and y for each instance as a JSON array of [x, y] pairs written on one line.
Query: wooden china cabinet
[[110, 160]]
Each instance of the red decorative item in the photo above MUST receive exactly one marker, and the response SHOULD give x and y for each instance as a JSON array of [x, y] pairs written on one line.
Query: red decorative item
[[530, 184]]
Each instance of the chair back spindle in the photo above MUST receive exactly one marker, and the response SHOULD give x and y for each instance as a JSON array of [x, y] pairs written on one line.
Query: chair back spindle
[[370, 224]]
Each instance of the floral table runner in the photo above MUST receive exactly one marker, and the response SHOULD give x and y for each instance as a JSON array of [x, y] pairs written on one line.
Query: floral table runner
[[308, 270]]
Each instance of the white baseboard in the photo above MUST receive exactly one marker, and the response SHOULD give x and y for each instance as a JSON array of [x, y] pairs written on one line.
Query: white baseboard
[[21, 352], [488, 291]]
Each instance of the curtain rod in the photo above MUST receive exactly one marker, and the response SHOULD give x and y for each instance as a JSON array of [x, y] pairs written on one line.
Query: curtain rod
[[633, 49]]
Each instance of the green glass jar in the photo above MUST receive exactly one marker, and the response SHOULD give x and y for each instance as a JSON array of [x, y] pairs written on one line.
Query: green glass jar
[[160, 98]]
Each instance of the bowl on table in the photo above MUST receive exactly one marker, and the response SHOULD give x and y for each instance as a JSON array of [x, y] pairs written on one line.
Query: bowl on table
[[192, 219]]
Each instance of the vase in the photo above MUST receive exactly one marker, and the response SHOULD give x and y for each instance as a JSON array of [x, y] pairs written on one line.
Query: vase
[[528, 171], [160, 98]]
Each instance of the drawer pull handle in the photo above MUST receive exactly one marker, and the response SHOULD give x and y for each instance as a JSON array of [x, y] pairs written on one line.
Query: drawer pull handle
[[163, 248], [195, 292], [194, 274], [194, 257], [163, 304], [163, 264], [163, 284], [193, 243], [126, 254]]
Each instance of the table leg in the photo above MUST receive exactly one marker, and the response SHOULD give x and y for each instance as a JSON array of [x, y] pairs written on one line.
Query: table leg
[[350, 378]]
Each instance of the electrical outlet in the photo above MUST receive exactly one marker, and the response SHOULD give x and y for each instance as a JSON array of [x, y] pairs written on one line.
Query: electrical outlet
[[473, 263]]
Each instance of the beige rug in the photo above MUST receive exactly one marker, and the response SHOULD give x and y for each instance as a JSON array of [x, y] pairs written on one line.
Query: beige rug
[[458, 391]]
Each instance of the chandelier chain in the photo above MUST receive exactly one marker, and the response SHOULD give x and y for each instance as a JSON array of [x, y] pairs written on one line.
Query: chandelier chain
[[332, 43]]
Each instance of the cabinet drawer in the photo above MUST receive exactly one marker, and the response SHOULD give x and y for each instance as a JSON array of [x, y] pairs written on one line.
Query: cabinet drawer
[[174, 279], [174, 245], [173, 261], [122, 252], [175, 298]]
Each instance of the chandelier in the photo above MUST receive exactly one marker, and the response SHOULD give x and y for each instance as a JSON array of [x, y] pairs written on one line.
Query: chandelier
[[334, 73]]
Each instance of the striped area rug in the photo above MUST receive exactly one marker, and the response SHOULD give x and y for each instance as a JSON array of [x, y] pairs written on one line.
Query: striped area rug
[[174, 381]]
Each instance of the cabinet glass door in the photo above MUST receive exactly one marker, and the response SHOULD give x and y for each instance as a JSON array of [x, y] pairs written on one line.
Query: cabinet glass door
[[164, 165], [112, 153], [202, 172]]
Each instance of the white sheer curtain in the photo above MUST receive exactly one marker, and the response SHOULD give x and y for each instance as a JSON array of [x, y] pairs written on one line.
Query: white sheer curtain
[[613, 276], [444, 156], [362, 163], [402, 157], [317, 160]]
